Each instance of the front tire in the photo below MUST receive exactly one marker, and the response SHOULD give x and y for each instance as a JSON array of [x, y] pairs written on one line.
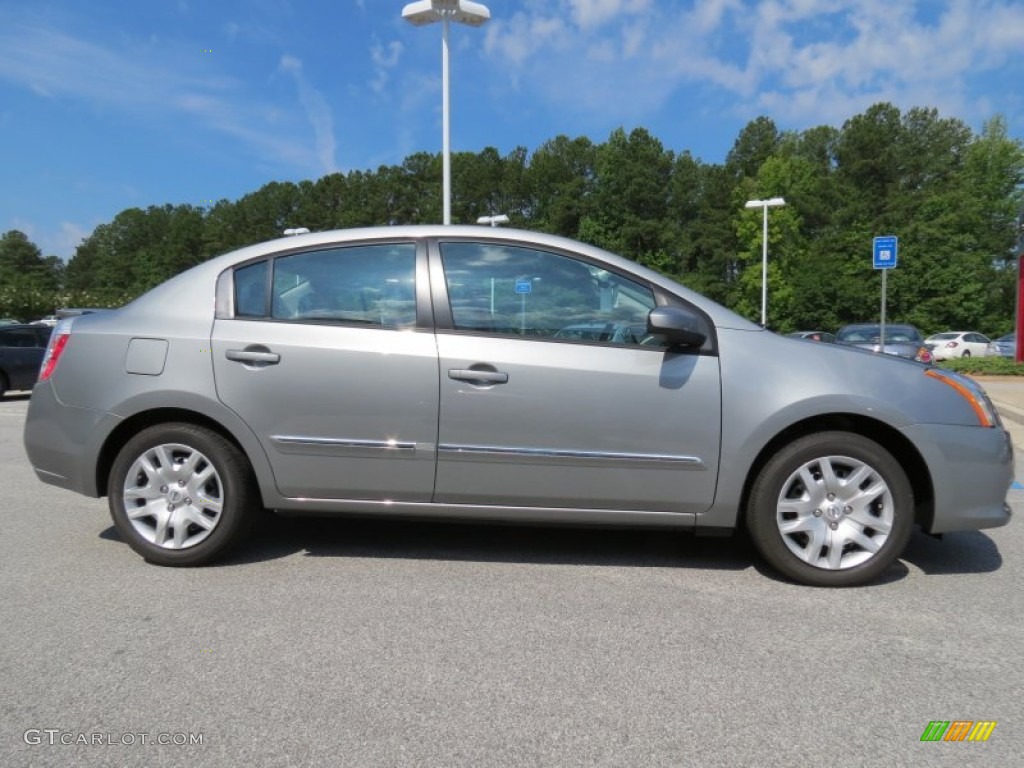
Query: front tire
[[180, 494], [832, 509]]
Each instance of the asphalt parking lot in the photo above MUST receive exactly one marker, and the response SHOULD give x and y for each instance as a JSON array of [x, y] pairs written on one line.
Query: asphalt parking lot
[[363, 643]]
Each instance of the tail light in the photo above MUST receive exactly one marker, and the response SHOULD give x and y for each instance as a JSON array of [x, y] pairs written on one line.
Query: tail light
[[54, 350], [923, 355]]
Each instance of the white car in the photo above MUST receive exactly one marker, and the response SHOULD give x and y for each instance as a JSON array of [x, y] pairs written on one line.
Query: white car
[[953, 344]]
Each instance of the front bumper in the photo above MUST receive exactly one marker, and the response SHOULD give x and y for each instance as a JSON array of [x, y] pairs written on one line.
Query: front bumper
[[971, 470]]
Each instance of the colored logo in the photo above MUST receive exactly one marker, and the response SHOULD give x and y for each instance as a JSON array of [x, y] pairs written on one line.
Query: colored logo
[[958, 730]]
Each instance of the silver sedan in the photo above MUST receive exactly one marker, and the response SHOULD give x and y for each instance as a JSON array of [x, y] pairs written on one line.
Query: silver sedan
[[435, 371]]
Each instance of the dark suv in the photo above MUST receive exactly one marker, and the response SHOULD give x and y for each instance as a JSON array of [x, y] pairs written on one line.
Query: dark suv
[[21, 353]]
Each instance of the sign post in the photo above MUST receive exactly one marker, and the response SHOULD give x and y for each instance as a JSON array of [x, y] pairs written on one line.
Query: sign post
[[524, 286], [884, 252], [1018, 346]]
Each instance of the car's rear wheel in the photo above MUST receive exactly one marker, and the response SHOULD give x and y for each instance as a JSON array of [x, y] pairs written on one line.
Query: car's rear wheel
[[832, 509], [180, 494], [967, 353]]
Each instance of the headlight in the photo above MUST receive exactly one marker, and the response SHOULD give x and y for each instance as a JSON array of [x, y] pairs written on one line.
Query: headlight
[[970, 391]]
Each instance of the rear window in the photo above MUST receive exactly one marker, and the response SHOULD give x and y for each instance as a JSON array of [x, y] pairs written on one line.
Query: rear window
[[871, 334]]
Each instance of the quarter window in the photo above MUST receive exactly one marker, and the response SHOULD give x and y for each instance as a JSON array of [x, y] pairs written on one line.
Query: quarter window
[[251, 290], [538, 294]]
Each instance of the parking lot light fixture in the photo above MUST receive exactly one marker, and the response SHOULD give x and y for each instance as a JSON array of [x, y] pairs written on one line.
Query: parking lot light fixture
[[464, 12], [771, 202]]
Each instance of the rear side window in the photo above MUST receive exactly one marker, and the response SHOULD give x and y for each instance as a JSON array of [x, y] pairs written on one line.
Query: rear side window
[[368, 285]]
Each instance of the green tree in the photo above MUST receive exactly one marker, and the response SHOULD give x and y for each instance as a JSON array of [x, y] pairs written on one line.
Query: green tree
[[559, 183], [136, 251], [758, 141], [631, 198], [28, 282]]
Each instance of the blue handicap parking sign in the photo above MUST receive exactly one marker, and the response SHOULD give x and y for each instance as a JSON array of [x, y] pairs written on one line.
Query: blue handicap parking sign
[[885, 252]]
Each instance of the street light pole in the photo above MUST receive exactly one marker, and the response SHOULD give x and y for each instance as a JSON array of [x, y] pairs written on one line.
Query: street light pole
[[427, 12], [765, 205]]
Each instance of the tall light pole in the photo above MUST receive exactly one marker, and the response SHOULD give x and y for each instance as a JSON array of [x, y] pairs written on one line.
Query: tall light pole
[[464, 12], [765, 204]]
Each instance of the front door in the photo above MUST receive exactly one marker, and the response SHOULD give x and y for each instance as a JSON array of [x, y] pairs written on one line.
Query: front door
[[553, 394]]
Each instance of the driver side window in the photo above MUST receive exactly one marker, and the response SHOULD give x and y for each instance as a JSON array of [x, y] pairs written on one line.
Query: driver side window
[[508, 290]]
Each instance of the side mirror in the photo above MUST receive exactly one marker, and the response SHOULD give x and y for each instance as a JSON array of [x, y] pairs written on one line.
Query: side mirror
[[677, 326]]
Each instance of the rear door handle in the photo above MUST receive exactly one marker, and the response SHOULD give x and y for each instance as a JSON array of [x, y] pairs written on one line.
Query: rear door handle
[[253, 356], [477, 377]]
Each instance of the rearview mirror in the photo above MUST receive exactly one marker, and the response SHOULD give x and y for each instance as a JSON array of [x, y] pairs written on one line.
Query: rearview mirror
[[677, 326]]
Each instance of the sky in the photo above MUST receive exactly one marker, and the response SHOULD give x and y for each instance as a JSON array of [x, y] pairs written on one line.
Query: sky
[[113, 104]]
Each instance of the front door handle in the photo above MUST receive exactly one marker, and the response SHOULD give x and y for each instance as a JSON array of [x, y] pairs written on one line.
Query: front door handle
[[477, 377], [258, 356]]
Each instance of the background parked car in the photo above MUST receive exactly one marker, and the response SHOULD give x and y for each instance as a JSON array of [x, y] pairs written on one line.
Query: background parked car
[[21, 354], [50, 320], [954, 344], [901, 340], [1006, 346], [828, 338]]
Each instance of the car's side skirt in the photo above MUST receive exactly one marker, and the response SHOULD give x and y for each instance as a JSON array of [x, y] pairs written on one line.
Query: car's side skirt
[[561, 515]]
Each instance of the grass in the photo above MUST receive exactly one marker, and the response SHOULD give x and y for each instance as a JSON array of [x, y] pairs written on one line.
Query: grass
[[984, 366]]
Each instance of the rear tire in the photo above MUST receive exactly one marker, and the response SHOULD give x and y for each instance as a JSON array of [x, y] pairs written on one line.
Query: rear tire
[[967, 353], [181, 494], [832, 509]]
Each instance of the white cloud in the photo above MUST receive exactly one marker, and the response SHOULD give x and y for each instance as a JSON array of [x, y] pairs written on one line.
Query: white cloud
[[594, 13], [318, 113], [385, 58], [161, 86], [519, 37], [809, 61]]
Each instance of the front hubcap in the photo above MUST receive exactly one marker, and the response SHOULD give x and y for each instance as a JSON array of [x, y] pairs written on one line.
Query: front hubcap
[[835, 512], [173, 496]]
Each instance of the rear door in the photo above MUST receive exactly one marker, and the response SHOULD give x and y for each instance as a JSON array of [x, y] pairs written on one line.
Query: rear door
[[328, 356]]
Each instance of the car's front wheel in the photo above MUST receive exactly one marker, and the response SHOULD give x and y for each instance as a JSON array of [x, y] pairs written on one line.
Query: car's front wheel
[[831, 509], [180, 494]]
